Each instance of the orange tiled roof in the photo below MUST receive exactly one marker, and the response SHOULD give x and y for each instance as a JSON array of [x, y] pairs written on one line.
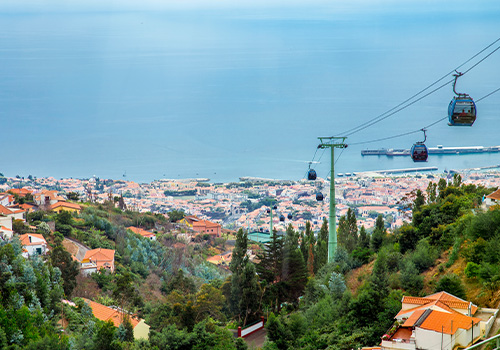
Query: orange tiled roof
[[20, 191], [495, 195], [446, 298], [438, 321], [140, 231], [65, 205], [4, 210], [100, 254], [205, 223], [105, 313], [25, 239]]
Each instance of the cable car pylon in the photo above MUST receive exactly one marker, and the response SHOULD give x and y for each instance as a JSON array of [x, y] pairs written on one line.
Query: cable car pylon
[[332, 143]]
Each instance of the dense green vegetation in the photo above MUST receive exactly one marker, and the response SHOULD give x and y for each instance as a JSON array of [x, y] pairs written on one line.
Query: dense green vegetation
[[191, 304]]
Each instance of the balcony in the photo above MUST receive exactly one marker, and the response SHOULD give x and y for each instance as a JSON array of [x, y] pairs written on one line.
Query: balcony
[[404, 344]]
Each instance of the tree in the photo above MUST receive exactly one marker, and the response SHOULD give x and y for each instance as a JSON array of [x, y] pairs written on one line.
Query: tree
[[411, 281], [175, 215], [452, 284], [294, 267], [239, 255], [64, 218], [431, 192], [124, 291], [378, 234], [249, 297], [408, 238], [364, 239], [73, 196], [104, 338], [348, 231], [61, 258], [321, 253], [419, 201]]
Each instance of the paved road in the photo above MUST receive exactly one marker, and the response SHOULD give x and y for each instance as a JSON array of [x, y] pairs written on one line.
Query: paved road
[[82, 249], [256, 340]]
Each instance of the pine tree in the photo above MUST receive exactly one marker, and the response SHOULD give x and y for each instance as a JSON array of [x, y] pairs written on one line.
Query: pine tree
[[364, 239], [249, 300], [378, 234], [321, 254], [239, 256], [271, 259]]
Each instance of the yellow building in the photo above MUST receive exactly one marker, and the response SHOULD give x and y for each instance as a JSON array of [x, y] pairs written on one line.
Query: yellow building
[[66, 206]]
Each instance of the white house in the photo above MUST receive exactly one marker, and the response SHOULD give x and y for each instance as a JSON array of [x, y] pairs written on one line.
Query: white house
[[492, 199], [438, 321], [97, 259], [33, 244]]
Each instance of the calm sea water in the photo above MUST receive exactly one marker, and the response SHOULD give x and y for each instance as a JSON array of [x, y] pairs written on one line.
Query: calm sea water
[[225, 93]]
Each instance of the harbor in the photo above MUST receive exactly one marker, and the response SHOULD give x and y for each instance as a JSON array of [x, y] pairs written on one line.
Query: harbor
[[439, 150]]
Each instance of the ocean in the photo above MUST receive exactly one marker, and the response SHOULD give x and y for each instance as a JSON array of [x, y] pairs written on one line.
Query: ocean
[[223, 92]]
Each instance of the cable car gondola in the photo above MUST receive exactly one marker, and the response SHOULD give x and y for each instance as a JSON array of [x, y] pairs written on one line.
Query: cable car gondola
[[289, 216], [311, 175], [419, 152], [282, 217], [319, 197], [268, 210], [462, 109]]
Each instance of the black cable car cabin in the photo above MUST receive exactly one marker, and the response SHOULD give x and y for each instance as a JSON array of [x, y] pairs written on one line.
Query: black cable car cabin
[[319, 197], [462, 111], [311, 174], [419, 152], [282, 217], [289, 216]]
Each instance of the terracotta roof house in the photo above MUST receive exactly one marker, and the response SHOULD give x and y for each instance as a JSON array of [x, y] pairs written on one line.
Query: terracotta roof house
[[439, 321], [492, 199], [221, 259], [5, 233], [205, 226], [47, 197], [143, 233], [189, 220], [66, 206], [96, 259], [21, 192], [115, 315], [33, 244]]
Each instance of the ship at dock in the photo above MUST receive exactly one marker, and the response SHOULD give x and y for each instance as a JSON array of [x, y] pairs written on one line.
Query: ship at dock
[[439, 150]]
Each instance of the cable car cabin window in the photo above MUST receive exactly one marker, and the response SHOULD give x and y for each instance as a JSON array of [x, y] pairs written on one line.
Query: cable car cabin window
[[419, 153], [462, 107]]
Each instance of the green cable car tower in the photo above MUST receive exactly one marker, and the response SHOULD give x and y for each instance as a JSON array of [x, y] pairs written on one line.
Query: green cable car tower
[[332, 143]]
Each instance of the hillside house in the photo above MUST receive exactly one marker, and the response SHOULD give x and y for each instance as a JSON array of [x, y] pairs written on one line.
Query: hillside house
[[207, 227], [66, 206], [438, 321], [492, 199], [47, 198], [189, 220], [33, 244], [97, 259], [146, 234], [12, 213], [116, 315], [6, 226]]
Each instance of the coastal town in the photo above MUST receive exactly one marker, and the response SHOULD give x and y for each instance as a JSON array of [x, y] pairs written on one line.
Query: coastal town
[[244, 204]]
